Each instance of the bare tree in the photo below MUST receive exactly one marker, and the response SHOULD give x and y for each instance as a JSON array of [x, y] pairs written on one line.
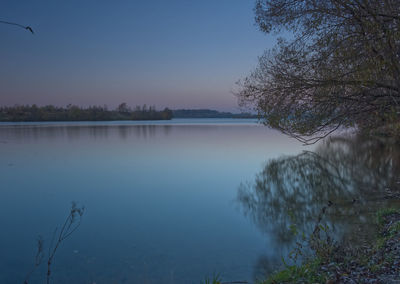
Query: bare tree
[[341, 66]]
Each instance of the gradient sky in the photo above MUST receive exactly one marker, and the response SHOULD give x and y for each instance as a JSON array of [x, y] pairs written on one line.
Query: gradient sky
[[175, 53]]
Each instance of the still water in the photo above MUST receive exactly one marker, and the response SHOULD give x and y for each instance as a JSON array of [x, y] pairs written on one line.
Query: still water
[[176, 201]]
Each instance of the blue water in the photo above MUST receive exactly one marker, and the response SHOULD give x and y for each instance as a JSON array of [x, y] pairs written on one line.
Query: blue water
[[177, 201], [160, 198]]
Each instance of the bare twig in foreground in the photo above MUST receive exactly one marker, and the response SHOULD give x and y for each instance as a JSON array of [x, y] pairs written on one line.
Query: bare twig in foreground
[[70, 225]]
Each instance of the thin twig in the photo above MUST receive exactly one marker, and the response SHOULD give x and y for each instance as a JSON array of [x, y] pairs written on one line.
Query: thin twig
[[18, 25], [66, 230]]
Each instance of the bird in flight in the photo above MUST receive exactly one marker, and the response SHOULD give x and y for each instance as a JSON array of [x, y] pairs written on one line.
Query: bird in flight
[[18, 25]]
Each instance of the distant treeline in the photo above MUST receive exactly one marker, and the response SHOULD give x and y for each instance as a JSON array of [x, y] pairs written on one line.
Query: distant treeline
[[76, 113], [208, 113], [101, 113]]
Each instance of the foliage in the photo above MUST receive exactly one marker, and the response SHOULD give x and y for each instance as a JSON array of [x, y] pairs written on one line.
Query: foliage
[[339, 67], [75, 113]]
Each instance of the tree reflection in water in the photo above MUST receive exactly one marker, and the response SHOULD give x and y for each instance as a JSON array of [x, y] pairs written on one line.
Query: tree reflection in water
[[352, 172]]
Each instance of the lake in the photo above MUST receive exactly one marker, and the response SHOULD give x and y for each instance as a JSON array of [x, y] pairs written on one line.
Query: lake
[[176, 201]]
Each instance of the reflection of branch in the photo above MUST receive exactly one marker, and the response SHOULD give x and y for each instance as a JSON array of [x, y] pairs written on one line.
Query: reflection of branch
[[38, 259], [328, 162], [344, 171], [18, 25], [322, 194]]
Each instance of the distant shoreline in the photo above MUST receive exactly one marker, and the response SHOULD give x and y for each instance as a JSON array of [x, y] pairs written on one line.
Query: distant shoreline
[[71, 113], [209, 113], [34, 113], [169, 122]]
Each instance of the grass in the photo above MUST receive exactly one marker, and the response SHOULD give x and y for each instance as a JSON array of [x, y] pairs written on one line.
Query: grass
[[380, 221], [383, 213], [308, 272], [216, 279], [380, 242], [394, 229]]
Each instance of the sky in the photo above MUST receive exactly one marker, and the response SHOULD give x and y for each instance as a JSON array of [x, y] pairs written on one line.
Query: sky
[[175, 53]]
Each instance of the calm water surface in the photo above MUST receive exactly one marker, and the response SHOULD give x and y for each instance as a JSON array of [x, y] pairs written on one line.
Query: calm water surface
[[173, 202]]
